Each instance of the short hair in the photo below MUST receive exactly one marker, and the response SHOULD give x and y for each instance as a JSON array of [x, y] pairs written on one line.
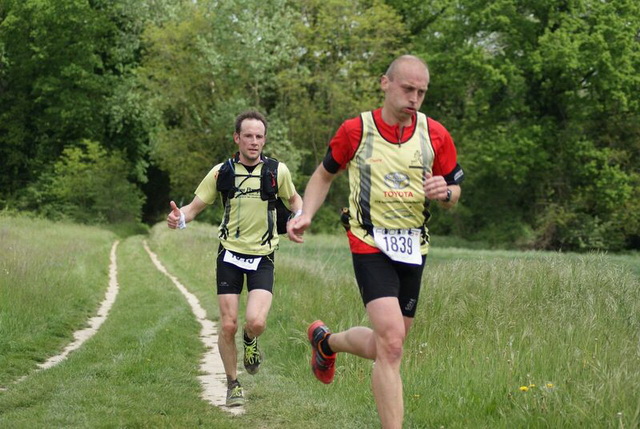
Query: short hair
[[394, 64], [250, 114]]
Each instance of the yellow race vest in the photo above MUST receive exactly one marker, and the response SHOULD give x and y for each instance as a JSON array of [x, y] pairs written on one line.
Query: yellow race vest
[[247, 214], [386, 179]]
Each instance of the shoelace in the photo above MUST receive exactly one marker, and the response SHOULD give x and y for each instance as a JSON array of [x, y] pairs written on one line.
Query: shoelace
[[251, 352], [236, 392]]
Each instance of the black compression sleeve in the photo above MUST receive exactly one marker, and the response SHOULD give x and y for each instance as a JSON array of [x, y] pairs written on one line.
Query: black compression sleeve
[[456, 176], [330, 164]]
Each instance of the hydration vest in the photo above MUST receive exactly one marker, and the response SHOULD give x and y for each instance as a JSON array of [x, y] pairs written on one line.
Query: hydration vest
[[226, 185]]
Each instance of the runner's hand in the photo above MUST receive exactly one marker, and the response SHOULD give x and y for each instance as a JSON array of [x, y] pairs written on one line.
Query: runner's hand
[[296, 228], [435, 187], [174, 216]]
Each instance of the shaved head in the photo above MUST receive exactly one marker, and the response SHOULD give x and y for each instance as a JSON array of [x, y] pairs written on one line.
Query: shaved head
[[404, 84], [404, 59]]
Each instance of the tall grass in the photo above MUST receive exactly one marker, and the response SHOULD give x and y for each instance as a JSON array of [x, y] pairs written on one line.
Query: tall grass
[[139, 370], [566, 328], [52, 277], [563, 328], [501, 340]]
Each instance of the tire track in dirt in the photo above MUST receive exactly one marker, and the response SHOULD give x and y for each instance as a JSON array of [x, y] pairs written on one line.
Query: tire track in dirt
[[214, 379], [95, 322]]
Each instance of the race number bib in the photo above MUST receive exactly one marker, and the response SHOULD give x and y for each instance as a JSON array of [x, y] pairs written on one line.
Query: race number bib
[[402, 245], [250, 264]]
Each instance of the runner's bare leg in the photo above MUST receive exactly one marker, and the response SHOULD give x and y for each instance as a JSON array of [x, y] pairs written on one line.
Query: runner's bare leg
[[228, 304], [389, 332], [258, 305]]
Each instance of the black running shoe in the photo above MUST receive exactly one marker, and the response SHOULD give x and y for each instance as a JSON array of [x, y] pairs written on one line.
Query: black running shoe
[[252, 356], [235, 397]]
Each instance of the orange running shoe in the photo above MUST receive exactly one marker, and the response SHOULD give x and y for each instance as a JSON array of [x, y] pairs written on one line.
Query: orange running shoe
[[323, 366]]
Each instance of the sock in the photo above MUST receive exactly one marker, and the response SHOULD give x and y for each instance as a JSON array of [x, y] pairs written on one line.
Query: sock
[[324, 346], [246, 338], [232, 383]]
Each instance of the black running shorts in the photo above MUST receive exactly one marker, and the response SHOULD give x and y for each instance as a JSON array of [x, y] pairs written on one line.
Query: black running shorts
[[230, 278], [378, 277]]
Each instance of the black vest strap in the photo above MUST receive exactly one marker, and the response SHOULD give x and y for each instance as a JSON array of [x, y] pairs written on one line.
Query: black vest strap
[[226, 185]]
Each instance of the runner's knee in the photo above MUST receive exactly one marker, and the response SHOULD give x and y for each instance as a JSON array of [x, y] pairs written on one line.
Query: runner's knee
[[389, 346], [256, 325], [229, 328]]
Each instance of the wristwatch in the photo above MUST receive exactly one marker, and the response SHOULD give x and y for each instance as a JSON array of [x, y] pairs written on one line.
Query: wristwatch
[[446, 200]]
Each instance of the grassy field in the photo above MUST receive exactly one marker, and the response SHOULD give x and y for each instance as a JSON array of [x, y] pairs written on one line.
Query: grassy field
[[501, 339], [52, 278]]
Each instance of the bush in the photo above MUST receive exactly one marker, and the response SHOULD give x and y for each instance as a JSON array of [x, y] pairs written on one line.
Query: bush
[[87, 185]]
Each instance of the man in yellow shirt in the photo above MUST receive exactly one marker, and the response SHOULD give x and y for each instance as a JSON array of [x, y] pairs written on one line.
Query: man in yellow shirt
[[248, 239]]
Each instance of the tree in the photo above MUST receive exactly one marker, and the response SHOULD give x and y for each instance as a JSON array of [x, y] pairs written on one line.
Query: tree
[[52, 91], [345, 48], [66, 74], [201, 70], [540, 99]]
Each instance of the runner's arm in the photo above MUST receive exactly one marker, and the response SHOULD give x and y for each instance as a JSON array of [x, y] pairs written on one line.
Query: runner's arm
[[314, 196], [192, 209], [316, 191], [295, 202]]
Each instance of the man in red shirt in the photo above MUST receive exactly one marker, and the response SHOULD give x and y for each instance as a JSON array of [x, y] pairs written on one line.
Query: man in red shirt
[[398, 162]]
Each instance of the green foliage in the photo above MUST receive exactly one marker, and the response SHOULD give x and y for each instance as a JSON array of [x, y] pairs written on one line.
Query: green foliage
[[344, 48], [89, 185], [282, 148], [67, 74], [539, 98], [201, 70], [54, 93], [596, 201], [178, 79]]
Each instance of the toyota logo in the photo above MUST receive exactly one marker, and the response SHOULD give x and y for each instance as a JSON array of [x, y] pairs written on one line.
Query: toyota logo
[[396, 180]]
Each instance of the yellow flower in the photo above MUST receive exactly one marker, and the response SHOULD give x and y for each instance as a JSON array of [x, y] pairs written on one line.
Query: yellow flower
[[549, 385], [531, 386], [523, 388]]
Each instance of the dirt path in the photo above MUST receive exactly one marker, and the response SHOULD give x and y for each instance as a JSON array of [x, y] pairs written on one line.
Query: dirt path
[[95, 322], [213, 380]]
